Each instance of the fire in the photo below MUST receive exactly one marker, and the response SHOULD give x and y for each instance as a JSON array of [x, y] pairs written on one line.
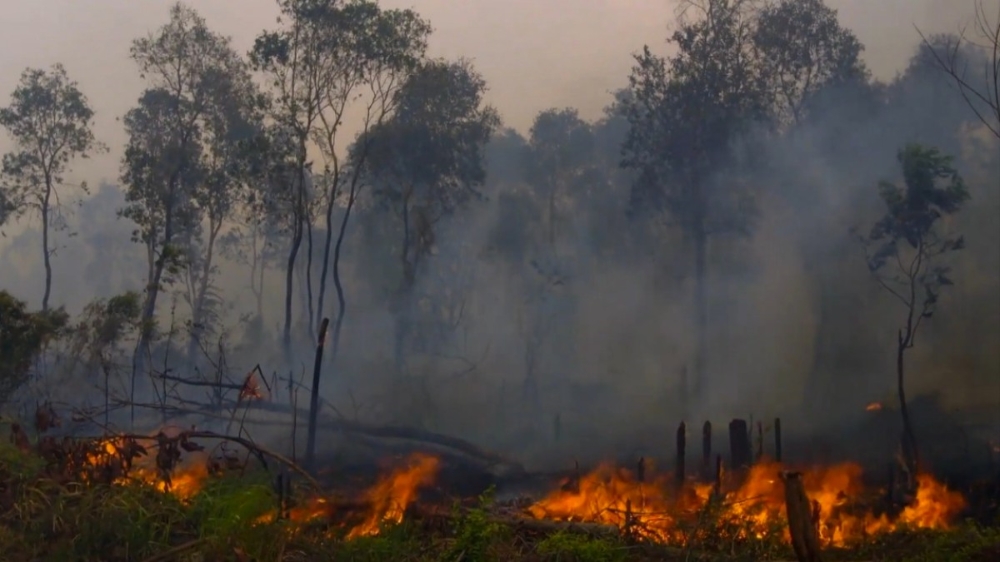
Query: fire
[[390, 496], [874, 407], [183, 481], [612, 496], [384, 502]]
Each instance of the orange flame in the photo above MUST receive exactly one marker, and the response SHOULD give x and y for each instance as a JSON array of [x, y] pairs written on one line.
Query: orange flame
[[185, 480], [874, 407], [610, 496], [386, 500], [390, 496]]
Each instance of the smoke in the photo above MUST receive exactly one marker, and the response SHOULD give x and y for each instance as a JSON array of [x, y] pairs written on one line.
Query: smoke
[[585, 352]]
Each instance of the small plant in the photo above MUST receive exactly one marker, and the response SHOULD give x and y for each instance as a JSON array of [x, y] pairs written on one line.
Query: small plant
[[475, 531]]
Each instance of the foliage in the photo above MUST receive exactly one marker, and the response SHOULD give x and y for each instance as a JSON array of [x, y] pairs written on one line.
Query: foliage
[[903, 246], [475, 532], [50, 121], [23, 335], [427, 161], [806, 52]]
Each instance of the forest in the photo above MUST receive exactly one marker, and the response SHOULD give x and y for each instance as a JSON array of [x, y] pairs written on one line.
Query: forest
[[338, 224]]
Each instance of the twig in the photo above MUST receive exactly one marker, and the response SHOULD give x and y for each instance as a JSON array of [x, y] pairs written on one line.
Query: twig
[[170, 553]]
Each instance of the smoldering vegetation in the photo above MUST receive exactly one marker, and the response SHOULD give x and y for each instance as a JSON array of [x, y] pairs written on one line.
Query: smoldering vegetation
[[535, 292]]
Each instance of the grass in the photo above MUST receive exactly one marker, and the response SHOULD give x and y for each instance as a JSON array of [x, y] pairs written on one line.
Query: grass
[[45, 518]]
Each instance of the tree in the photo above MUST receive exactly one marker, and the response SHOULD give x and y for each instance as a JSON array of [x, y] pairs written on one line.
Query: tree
[[332, 55], [175, 161], [425, 163], [981, 94], [50, 121], [685, 116], [23, 335], [905, 250], [805, 51], [560, 152]]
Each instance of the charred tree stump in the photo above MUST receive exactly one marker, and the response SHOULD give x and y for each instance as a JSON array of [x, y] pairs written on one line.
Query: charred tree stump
[[314, 395], [740, 452], [777, 439], [681, 447], [801, 527], [706, 450]]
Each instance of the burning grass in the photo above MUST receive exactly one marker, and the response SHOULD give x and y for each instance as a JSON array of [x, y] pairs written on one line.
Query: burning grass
[[168, 498]]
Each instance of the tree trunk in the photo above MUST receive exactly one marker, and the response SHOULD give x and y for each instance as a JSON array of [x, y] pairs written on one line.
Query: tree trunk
[[198, 306], [46, 254], [327, 245], [910, 451], [308, 276], [337, 282], [294, 250]]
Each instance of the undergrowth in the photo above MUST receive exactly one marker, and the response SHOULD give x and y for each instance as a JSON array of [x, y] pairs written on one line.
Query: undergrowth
[[42, 519]]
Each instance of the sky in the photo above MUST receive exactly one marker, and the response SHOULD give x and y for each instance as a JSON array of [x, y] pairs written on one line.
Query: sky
[[534, 54]]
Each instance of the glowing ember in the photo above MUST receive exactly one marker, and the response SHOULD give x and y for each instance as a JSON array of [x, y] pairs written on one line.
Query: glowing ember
[[874, 407], [757, 507]]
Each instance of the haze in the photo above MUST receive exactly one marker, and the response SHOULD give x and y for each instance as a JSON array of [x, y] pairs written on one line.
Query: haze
[[548, 299], [534, 54]]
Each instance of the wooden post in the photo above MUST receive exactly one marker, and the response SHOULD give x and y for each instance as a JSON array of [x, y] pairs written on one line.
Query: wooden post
[[314, 396], [801, 527], [681, 447], [640, 470], [777, 439], [706, 450], [760, 441], [740, 452]]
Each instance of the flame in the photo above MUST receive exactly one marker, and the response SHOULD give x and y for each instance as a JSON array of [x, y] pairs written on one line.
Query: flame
[[874, 407], [384, 502], [185, 480], [390, 496], [614, 496]]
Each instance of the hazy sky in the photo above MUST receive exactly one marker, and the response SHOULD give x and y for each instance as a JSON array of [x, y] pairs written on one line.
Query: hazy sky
[[533, 53]]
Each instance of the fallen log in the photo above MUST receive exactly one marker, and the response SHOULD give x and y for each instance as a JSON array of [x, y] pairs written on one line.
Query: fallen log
[[328, 422]]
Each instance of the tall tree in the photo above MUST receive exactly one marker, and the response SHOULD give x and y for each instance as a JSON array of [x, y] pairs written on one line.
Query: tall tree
[[333, 56], [50, 121], [173, 132], [805, 51], [685, 116], [425, 163], [905, 249], [230, 128]]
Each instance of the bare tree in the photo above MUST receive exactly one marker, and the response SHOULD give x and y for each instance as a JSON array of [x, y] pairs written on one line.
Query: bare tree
[[982, 98]]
